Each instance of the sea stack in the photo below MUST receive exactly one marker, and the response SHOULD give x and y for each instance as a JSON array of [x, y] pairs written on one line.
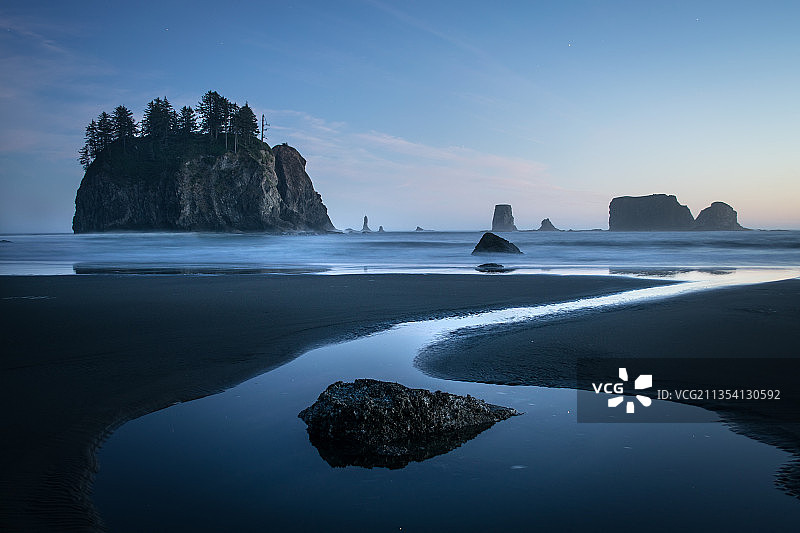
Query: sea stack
[[503, 220], [380, 229], [547, 226], [656, 212], [719, 216], [194, 185], [365, 227]]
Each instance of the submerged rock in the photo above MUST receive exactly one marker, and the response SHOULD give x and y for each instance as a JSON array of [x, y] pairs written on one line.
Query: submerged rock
[[547, 226], [492, 244], [493, 267], [719, 216], [374, 423], [503, 220], [656, 212]]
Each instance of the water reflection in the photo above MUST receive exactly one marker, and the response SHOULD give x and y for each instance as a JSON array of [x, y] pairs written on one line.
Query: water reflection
[[226, 461]]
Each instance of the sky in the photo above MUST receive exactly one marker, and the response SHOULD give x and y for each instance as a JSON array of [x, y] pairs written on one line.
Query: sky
[[430, 113]]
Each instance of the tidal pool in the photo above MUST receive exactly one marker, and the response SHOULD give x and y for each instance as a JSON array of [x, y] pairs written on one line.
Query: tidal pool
[[241, 460]]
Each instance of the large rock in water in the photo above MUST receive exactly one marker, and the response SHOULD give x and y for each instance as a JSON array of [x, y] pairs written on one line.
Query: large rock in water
[[547, 226], [376, 423], [493, 244], [656, 212], [719, 216], [503, 220], [194, 184]]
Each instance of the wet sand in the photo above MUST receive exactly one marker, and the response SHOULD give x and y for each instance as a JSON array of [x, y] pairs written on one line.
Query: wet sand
[[84, 354], [752, 321]]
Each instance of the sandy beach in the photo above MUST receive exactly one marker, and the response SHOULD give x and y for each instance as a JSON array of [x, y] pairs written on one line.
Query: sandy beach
[[84, 354], [750, 321]]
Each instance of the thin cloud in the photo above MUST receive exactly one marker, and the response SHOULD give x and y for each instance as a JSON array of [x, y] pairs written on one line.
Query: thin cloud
[[425, 28], [406, 183]]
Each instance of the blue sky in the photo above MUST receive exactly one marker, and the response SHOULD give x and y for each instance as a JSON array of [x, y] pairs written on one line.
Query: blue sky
[[429, 113]]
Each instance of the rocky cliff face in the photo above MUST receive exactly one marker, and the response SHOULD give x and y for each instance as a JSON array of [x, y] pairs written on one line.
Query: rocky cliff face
[[657, 212], [503, 220], [196, 185], [719, 216]]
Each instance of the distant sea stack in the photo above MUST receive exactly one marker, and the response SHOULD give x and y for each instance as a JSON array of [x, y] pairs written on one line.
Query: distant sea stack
[[547, 226], [656, 212], [195, 183], [719, 216], [503, 220], [365, 227], [661, 212]]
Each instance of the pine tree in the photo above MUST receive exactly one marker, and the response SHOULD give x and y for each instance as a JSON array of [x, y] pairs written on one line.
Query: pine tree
[[84, 158], [214, 112], [231, 111], [159, 119], [187, 122], [217, 115], [172, 117], [105, 131], [123, 124], [91, 147], [245, 123]]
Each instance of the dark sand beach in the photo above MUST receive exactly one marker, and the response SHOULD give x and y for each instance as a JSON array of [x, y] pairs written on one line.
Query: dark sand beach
[[751, 321], [84, 354]]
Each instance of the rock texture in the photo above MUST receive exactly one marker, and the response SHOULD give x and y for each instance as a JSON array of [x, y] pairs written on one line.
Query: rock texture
[[365, 227], [492, 244], [301, 205], [547, 226], [656, 212], [719, 216], [376, 423], [503, 220], [194, 184]]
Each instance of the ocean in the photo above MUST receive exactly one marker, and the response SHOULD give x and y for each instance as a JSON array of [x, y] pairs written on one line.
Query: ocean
[[599, 252]]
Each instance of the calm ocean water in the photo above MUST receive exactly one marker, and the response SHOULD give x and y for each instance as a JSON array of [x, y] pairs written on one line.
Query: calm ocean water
[[212, 253]]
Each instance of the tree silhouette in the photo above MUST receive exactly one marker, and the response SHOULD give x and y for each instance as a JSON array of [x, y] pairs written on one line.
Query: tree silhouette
[[214, 111], [187, 122], [160, 119], [105, 130], [216, 115], [245, 123], [123, 124], [88, 152]]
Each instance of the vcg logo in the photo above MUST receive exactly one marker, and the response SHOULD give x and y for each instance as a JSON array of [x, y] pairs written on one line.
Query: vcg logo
[[644, 381]]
